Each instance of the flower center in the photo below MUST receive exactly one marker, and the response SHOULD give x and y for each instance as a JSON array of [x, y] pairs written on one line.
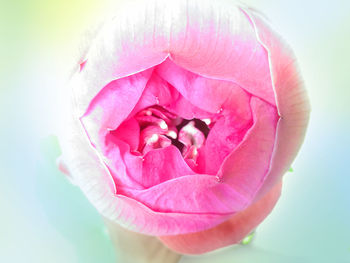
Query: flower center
[[160, 128]]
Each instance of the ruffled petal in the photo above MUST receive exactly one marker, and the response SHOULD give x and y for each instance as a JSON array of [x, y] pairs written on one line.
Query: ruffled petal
[[113, 105], [246, 168], [211, 39], [163, 164], [125, 168], [129, 132], [239, 178], [184, 108], [208, 94], [223, 138], [228, 233], [292, 101], [191, 194], [157, 91], [216, 40], [94, 179], [134, 39]]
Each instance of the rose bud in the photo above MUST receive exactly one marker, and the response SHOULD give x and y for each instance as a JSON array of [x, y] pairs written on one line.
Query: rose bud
[[183, 118]]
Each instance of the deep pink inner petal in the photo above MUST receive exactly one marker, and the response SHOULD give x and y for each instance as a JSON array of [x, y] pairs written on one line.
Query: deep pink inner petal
[[129, 132], [125, 167], [247, 166], [223, 138], [109, 108], [164, 164], [240, 176], [207, 94], [178, 135]]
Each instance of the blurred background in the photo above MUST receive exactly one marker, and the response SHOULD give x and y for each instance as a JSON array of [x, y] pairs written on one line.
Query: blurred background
[[43, 218]]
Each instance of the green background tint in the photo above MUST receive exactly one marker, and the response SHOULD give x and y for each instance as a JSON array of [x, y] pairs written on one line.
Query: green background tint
[[46, 219]]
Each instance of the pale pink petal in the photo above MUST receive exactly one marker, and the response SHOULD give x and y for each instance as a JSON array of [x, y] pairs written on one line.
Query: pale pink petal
[[163, 164], [194, 194], [134, 39], [216, 40], [211, 39], [292, 101], [246, 168], [62, 166], [230, 232]]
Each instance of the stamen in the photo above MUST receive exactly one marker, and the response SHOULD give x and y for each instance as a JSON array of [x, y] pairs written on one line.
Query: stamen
[[154, 138], [160, 128], [206, 121], [172, 134], [163, 125]]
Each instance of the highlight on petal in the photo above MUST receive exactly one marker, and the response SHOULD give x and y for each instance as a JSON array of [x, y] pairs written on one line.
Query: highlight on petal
[[228, 233]]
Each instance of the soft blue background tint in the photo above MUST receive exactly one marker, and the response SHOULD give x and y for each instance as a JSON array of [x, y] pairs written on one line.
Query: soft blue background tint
[[44, 218]]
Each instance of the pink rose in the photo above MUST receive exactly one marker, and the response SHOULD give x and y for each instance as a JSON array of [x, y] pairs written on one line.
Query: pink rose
[[183, 119]]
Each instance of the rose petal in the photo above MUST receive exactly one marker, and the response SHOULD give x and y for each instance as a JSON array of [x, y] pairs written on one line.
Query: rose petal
[[184, 108], [209, 94], [247, 166], [230, 232], [134, 39], [233, 54], [157, 91], [109, 108], [129, 132], [240, 176], [163, 164], [216, 40], [292, 101], [124, 167], [223, 138], [94, 179]]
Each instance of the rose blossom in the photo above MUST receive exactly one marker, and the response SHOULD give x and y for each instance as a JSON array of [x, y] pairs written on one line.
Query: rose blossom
[[184, 116]]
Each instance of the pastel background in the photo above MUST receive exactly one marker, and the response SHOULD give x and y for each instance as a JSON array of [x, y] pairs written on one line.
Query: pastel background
[[43, 218]]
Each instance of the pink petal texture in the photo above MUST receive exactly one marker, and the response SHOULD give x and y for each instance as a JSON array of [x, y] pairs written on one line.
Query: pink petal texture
[[212, 39], [239, 178], [292, 101], [94, 179], [230, 232], [108, 109], [183, 60]]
